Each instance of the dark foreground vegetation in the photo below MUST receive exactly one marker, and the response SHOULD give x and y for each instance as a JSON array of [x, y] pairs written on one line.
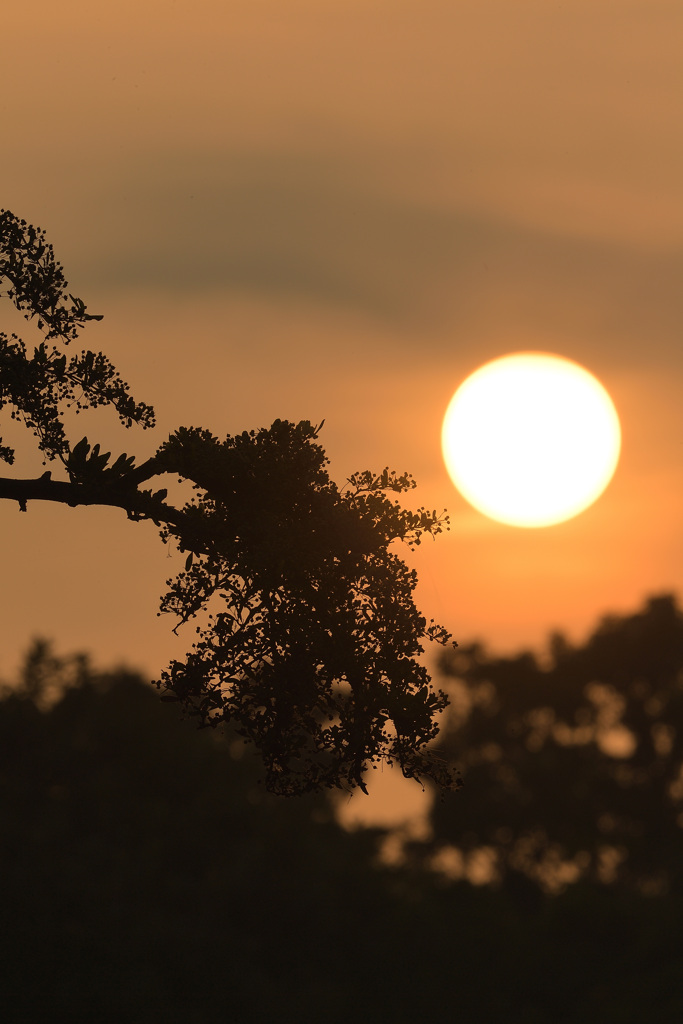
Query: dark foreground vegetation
[[145, 876], [315, 654]]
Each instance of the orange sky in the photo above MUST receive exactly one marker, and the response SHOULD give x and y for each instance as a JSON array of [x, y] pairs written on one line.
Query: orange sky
[[338, 209]]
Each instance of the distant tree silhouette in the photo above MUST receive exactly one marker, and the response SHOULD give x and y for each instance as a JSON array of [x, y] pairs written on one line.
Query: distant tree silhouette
[[145, 876], [313, 653], [573, 769]]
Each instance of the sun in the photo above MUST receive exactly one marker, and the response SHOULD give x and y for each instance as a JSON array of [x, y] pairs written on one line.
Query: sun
[[531, 439]]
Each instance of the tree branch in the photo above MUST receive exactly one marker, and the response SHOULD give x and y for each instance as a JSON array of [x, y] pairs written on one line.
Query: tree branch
[[145, 471], [119, 495]]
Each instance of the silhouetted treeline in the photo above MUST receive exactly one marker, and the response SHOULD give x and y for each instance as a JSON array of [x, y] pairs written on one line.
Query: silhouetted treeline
[[145, 876], [574, 768]]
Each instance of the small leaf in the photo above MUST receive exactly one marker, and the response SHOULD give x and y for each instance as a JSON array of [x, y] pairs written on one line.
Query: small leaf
[[80, 451]]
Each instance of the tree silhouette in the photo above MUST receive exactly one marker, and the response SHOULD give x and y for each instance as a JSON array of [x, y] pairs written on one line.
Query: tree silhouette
[[146, 877], [311, 646], [573, 768]]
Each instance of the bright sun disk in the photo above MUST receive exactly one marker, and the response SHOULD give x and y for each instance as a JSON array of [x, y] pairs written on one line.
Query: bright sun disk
[[531, 439]]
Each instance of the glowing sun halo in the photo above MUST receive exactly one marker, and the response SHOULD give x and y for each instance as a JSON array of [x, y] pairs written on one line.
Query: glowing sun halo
[[531, 439]]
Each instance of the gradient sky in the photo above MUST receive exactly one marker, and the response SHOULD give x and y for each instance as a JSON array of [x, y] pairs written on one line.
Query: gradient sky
[[338, 209]]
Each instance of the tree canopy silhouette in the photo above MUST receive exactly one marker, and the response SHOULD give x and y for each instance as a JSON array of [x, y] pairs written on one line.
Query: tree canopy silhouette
[[312, 650], [573, 767], [151, 878]]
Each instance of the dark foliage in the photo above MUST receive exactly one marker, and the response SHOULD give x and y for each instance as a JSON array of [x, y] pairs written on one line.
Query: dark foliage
[[145, 876], [313, 655], [38, 387], [573, 769]]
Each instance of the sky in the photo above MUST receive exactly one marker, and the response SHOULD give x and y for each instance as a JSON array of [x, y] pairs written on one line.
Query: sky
[[338, 209]]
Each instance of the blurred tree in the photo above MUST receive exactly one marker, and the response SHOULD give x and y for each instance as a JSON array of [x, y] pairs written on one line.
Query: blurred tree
[[146, 876], [573, 769], [313, 655]]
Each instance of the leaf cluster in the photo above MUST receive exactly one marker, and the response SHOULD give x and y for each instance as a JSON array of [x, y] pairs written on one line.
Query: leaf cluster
[[313, 655], [38, 286], [85, 465], [39, 387]]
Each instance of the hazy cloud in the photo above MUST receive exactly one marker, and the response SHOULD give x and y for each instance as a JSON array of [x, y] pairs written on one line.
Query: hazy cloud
[[280, 227]]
